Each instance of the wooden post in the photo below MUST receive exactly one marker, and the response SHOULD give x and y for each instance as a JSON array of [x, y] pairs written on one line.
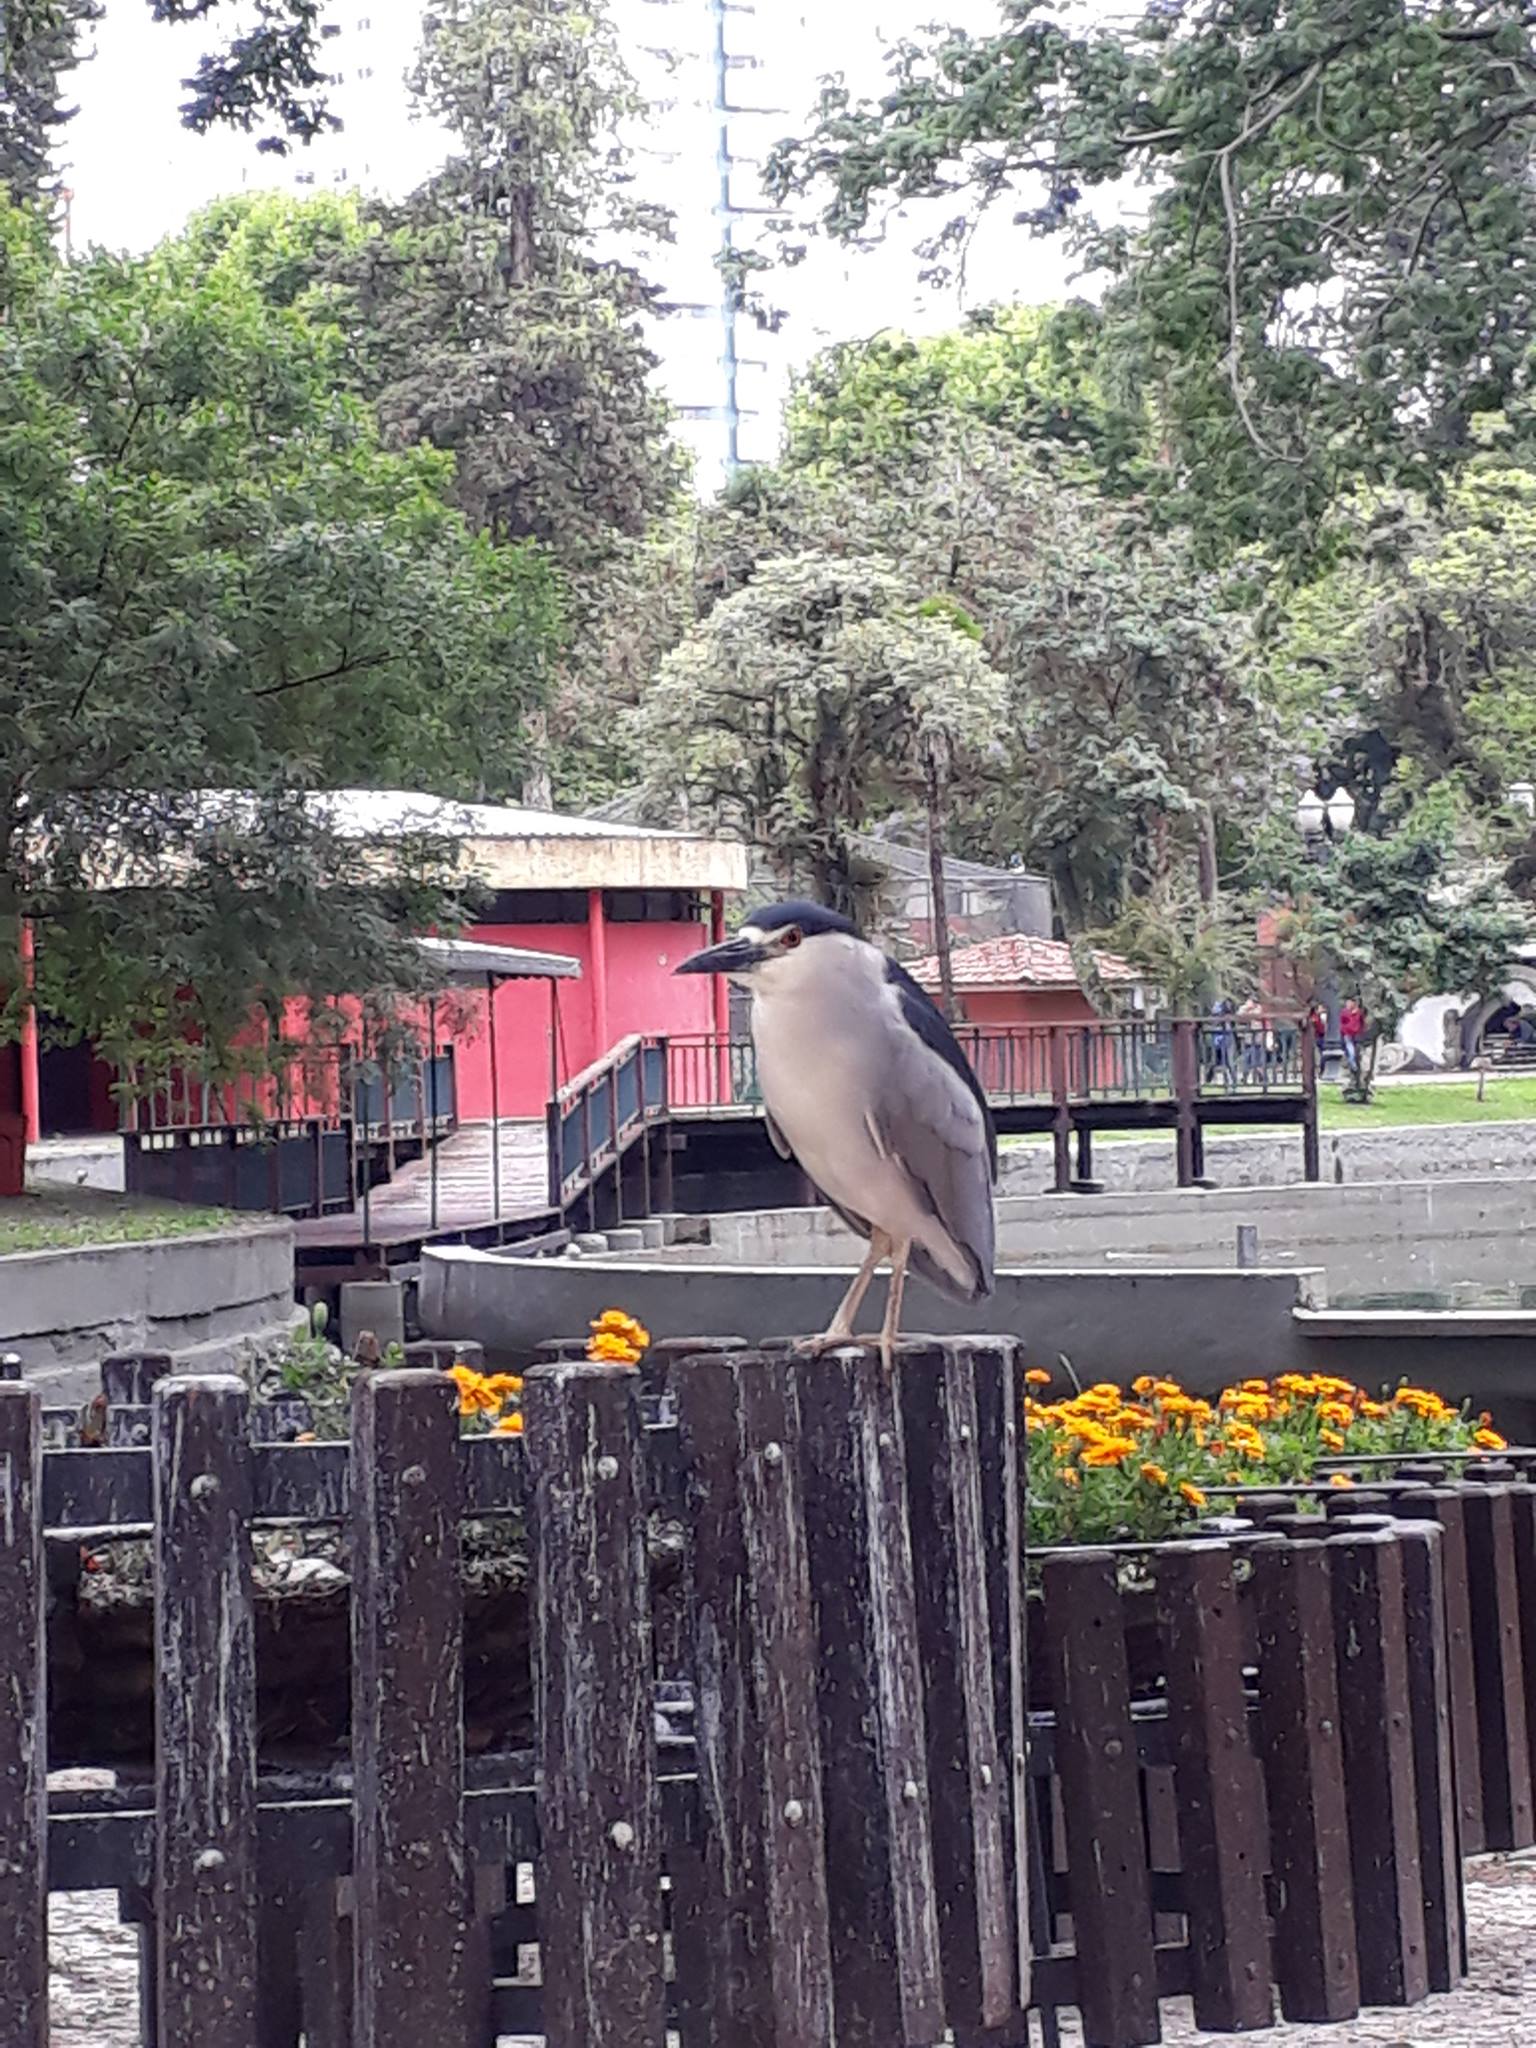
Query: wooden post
[[1186, 1090], [1311, 1148], [1367, 1575], [753, 1964], [1061, 1125], [1447, 1506], [1101, 1800], [1503, 1735], [1434, 1770], [998, 1421], [971, 1805], [597, 942], [409, 1871], [720, 990], [206, 1888], [884, 1927], [1303, 1760], [599, 1876], [23, 1725], [1221, 1821]]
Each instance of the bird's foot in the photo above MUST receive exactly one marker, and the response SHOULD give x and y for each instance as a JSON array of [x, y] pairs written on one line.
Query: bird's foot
[[818, 1347]]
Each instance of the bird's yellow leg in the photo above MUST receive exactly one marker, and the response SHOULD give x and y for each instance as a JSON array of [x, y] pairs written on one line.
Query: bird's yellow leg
[[840, 1329], [890, 1329]]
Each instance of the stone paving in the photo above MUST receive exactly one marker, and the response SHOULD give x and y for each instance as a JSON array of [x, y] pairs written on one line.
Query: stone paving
[[95, 1974]]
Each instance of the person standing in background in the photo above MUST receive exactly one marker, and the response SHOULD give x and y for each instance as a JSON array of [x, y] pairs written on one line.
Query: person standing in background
[[1351, 1031]]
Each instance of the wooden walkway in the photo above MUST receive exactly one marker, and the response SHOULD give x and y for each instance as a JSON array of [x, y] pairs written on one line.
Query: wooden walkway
[[401, 1210]]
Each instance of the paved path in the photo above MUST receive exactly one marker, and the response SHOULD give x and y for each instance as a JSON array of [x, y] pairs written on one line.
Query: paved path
[[95, 1964]]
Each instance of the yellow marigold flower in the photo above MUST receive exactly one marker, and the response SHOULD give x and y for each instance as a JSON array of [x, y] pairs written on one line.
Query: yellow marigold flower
[[1190, 1492], [607, 1348], [1374, 1409], [1337, 1414], [1114, 1450], [1340, 1479], [505, 1384], [1490, 1440], [1177, 1404], [510, 1425], [1255, 1386], [1145, 1385], [614, 1322], [1037, 1376], [1070, 1478], [1154, 1475], [1332, 1440], [475, 1396]]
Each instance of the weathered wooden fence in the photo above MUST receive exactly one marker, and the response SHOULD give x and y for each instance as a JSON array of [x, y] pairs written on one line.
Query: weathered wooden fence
[[806, 1791]]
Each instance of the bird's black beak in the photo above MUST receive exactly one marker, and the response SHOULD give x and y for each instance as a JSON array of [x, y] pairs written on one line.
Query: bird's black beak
[[731, 956]]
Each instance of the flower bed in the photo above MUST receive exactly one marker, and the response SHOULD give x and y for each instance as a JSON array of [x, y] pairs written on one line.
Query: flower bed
[[1107, 1465]]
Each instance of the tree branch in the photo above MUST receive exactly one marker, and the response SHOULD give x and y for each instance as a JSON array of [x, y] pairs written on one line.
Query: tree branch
[[342, 669]]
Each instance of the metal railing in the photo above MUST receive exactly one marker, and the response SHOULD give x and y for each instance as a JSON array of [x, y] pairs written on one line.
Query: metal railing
[[1102, 1060], [600, 1114]]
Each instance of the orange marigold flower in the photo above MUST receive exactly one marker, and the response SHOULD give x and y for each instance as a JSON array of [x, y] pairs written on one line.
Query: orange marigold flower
[[505, 1383], [1490, 1440], [1114, 1450], [1070, 1478], [615, 1323], [1190, 1492], [1332, 1439], [1255, 1386], [1337, 1414], [1145, 1385], [475, 1396], [1341, 1479], [1037, 1376], [1154, 1475], [510, 1425], [608, 1348]]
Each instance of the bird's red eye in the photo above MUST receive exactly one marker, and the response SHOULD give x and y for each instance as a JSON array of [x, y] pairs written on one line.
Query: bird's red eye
[[792, 937]]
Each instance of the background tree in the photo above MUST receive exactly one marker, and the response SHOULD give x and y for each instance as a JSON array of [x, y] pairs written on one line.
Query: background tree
[[214, 579], [265, 78], [497, 314], [1333, 277], [1407, 912], [809, 703]]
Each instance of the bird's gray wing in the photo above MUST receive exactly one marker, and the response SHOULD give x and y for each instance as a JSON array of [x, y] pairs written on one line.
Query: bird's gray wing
[[929, 1118]]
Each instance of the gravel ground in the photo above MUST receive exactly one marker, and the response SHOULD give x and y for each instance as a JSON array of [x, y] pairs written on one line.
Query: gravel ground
[[95, 1973]]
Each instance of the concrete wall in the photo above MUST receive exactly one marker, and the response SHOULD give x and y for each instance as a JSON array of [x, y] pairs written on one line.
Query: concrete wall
[[1273, 1159], [1390, 1238], [201, 1298], [1204, 1328], [1123, 1323]]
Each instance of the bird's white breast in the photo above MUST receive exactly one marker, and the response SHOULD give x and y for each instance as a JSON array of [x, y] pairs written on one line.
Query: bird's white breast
[[818, 1026]]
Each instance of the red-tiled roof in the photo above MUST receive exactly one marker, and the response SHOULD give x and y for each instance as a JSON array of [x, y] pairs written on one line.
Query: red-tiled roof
[[1019, 962]]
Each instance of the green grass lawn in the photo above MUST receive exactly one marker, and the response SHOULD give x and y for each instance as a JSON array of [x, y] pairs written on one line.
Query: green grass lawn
[[1432, 1102], [54, 1219]]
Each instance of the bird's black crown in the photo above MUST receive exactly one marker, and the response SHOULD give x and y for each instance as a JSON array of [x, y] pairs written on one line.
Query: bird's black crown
[[811, 918]]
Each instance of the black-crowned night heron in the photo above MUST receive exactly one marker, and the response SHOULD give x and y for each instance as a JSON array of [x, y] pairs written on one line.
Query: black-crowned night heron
[[865, 1088]]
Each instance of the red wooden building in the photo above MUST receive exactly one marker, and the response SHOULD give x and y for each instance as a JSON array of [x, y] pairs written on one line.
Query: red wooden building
[[1025, 980], [625, 902]]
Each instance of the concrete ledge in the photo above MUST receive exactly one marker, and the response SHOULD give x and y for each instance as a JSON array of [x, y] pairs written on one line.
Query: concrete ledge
[[1376, 1237], [203, 1296], [1207, 1327]]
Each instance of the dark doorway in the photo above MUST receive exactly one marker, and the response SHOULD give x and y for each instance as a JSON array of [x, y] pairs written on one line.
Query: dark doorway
[[74, 1091]]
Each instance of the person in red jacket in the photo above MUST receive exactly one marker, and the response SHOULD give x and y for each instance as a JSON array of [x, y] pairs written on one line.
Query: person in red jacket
[[1351, 1031]]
